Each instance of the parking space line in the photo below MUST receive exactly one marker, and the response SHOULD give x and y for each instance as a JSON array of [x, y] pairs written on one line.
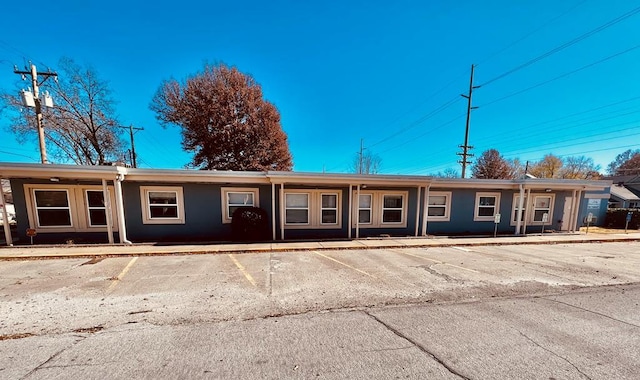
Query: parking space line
[[345, 264], [121, 275], [243, 270], [435, 261]]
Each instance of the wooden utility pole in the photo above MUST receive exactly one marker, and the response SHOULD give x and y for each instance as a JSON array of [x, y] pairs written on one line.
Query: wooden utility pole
[[38, 104], [133, 147], [466, 147], [361, 156]]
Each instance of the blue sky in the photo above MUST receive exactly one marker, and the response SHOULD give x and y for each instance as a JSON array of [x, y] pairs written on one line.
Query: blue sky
[[341, 71]]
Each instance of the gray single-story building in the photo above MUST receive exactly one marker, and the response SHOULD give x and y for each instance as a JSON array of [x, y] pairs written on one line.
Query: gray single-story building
[[119, 204]]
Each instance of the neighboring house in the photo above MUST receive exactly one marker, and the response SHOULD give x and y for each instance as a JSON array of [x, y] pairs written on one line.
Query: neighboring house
[[7, 199], [625, 193], [118, 204]]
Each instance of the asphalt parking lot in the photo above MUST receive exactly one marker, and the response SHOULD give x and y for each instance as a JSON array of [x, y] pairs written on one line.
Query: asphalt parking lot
[[63, 295]]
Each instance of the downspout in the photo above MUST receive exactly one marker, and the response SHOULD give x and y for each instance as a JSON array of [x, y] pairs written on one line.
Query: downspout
[[122, 228], [108, 211], [526, 212], [418, 209], [577, 215], [350, 210], [519, 213], [425, 210], [273, 211], [358, 213], [5, 217]]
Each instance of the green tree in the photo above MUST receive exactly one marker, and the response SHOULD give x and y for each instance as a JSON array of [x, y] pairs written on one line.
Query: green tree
[[225, 121], [491, 165], [81, 127]]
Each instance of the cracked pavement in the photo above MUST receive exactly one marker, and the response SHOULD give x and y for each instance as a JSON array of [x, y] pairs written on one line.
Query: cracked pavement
[[539, 312]]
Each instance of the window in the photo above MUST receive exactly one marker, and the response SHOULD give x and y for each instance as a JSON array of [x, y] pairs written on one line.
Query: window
[[392, 208], [96, 209], [52, 208], [542, 206], [296, 208], [514, 212], [235, 198], [379, 208], [162, 205], [329, 209], [438, 206], [312, 209], [67, 208], [364, 209], [487, 205]]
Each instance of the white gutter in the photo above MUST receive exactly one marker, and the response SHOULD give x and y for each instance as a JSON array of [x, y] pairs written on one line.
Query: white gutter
[[122, 228], [5, 217], [519, 213]]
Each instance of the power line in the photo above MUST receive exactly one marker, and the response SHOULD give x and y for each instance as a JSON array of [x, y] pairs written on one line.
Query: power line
[[532, 32], [565, 45], [561, 76]]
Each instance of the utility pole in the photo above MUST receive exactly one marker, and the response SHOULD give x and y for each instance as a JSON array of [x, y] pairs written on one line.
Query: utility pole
[[38, 104], [466, 147], [133, 147], [361, 155]]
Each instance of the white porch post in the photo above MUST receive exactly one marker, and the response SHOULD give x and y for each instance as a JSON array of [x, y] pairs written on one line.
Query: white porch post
[[418, 209], [350, 210], [519, 213], [282, 211], [358, 212], [526, 212], [273, 211], [5, 217], [425, 210], [108, 210]]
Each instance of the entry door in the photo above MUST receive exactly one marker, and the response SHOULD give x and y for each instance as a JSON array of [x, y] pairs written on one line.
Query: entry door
[[566, 214]]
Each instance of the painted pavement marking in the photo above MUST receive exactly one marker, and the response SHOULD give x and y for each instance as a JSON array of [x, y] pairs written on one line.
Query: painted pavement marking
[[345, 264], [119, 277], [436, 261], [243, 270]]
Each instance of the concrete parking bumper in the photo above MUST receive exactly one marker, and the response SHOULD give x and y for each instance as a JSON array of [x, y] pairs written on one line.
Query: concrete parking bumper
[[57, 251]]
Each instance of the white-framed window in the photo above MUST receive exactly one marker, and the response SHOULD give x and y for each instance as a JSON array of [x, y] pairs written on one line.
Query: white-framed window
[[234, 198], [439, 206], [365, 208], [487, 206], [392, 208], [542, 206], [381, 208], [317, 208], [52, 208], [329, 209], [67, 207], [162, 205], [96, 208], [296, 208], [514, 209], [538, 205]]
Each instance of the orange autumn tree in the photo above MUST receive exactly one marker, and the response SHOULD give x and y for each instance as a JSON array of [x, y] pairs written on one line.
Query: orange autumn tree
[[225, 121]]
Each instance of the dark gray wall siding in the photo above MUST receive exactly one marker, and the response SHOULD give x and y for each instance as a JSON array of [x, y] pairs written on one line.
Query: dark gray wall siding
[[202, 208]]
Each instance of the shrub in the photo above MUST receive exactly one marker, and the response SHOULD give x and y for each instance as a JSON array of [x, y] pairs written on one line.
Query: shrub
[[250, 224], [616, 218]]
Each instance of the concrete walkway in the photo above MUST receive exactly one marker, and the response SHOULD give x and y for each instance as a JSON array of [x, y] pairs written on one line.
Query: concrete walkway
[[56, 251]]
